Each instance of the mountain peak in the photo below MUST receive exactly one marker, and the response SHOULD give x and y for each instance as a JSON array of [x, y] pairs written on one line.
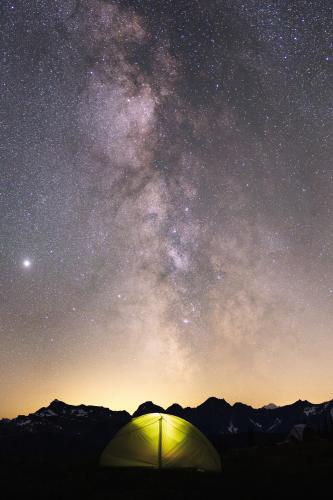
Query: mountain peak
[[270, 406], [54, 408], [213, 403], [238, 405], [56, 404], [174, 409], [148, 407], [301, 402]]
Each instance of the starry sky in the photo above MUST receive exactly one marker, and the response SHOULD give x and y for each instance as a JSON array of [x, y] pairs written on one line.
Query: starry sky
[[166, 202]]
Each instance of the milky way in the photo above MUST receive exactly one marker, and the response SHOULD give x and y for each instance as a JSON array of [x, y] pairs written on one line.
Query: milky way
[[166, 201]]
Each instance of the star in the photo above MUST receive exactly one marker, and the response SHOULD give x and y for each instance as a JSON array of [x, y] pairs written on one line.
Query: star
[[165, 197], [27, 263]]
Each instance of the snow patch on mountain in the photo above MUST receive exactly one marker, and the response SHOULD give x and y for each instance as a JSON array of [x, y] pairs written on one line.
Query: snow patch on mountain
[[232, 429], [22, 423], [310, 410], [256, 423], [46, 413], [79, 412], [276, 423]]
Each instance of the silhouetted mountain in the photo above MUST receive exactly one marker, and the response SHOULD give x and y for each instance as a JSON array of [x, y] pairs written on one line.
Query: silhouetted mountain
[[174, 409], [148, 407], [270, 406], [66, 432], [59, 432]]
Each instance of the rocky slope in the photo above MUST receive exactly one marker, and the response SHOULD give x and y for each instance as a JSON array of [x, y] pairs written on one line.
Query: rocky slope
[[65, 432]]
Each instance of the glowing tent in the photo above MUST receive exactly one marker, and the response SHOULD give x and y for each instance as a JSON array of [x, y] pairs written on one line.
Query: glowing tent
[[160, 440]]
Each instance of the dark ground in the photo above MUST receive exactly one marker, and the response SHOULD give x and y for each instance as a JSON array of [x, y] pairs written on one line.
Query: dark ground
[[280, 471]]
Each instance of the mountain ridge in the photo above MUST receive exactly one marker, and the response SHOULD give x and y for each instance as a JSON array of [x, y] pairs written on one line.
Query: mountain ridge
[[80, 432], [209, 402], [214, 415]]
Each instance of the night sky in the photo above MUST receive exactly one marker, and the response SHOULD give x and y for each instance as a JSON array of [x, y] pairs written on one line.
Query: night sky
[[166, 202]]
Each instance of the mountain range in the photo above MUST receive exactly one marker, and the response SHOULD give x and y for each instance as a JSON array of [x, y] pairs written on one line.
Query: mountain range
[[70, 431]]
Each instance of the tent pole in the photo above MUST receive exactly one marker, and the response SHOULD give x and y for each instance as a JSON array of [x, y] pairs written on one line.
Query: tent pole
[[160, 443]]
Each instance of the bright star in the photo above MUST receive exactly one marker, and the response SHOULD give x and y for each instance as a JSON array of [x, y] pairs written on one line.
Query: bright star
[[26, 263]]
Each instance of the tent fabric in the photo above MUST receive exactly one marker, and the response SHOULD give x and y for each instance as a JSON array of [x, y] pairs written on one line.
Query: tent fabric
[[160, 440]]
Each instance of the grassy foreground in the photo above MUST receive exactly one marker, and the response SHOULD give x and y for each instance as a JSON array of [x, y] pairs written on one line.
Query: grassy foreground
[[284, 471]]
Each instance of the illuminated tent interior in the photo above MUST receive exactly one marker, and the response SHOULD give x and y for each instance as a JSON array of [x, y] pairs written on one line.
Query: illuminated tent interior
[[159, 440]]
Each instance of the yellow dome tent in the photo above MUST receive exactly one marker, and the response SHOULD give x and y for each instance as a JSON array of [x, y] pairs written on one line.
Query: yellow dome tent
[[160, 440]]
